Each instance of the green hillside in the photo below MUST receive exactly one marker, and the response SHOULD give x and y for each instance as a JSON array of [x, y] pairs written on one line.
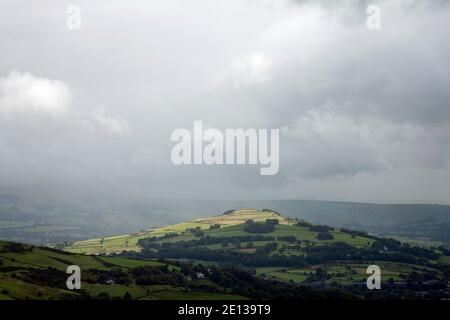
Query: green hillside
[[129, 242], [302, 253], [29, 272], [243, 253], [231, 224], [37, 273]]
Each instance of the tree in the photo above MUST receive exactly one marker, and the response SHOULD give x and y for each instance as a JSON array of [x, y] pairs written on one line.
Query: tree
[[303, 223], [325, 236], [287, 238], [320, 275], [127, 296], [272, 221], [103, 296], [319, 228], [257, 227]]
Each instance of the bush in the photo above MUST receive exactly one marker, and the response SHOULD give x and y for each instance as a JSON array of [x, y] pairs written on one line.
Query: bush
[[103, 296], [199, 234], [12, 247], [127, 296], [319, 228], [272, 221], [267, 248], [259, 227], [228, 212], [270, 210], [303, 223], [287, 238], [325, 236], [49, 277]]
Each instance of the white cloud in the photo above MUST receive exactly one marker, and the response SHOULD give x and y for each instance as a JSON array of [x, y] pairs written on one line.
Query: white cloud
[[112, 124], [22, 94], [26, 93], [252, 69]]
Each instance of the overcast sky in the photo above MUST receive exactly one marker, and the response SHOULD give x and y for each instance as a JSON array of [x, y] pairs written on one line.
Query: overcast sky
[[364, 114]]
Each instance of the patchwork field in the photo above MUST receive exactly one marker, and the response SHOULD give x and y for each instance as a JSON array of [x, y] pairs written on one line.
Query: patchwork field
[[17, 261], [343, 273], [128, 242], [300, 233]]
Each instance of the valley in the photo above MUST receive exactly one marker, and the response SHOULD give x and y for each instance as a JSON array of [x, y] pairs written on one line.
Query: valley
[[239, 254]]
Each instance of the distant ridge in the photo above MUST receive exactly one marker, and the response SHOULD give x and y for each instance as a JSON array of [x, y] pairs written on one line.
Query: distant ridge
[[50, 221]]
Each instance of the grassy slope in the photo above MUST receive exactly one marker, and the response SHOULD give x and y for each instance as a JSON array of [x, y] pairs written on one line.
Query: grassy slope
[[42, 258], [231, 225], [343, 273], [128, 242], [301, 233]]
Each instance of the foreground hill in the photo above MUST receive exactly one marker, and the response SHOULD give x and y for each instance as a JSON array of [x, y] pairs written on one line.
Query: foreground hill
[[37, 273], [30, 272]]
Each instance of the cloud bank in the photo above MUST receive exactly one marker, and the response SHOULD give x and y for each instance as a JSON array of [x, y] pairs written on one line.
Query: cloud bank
[[364, 115]]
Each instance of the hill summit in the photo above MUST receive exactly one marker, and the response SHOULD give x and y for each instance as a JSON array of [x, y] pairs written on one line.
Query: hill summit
[[129, 242]]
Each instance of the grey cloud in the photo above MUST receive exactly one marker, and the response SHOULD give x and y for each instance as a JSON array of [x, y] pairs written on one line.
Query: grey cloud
[[138, 71]]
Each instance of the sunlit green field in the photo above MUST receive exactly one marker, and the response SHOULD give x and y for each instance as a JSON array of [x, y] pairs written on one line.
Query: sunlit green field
[[342, 273], [301, 233], [21, 290], [231, 225], [12, 287], [128, 242], [42, 258]]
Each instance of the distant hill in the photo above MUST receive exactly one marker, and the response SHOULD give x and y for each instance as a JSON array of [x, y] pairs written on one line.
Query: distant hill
[[353, 213], [50, 221], [129, 242], [425, 222]]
